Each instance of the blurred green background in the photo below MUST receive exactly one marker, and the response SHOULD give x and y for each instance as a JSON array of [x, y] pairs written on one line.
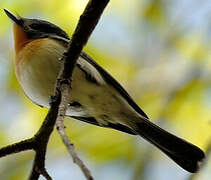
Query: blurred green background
[[160, 51]]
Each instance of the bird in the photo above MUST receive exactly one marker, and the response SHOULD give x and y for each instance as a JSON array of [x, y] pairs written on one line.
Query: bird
[[96, 97]]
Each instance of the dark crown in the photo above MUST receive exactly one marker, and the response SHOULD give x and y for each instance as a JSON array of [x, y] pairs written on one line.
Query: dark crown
[[36, 28]]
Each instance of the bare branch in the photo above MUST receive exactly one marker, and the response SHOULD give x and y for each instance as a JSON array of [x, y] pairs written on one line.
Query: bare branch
[[71, 150], [16, 148], [88, 21], [39, 142]]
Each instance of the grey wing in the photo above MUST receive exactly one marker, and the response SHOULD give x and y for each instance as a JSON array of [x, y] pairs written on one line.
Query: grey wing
[[110, 80]]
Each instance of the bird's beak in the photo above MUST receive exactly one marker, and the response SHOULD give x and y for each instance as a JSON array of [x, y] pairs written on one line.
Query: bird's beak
[[14, 18]]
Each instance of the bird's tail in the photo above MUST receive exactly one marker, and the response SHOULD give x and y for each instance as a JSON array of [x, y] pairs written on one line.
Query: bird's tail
[[182, 152]]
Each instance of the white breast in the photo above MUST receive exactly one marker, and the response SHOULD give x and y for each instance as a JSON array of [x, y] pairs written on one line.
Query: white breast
[[37, 70], [38, 74]]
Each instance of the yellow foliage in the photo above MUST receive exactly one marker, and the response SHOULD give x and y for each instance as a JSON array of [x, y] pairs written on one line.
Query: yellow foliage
[[153, 12], [192, 47]]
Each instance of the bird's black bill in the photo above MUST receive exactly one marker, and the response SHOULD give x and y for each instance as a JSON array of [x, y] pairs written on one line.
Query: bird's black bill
[[13, 17]]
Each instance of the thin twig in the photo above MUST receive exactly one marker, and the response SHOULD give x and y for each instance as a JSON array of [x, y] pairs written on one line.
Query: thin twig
[[88, 21], [66, 141], [70, 147]]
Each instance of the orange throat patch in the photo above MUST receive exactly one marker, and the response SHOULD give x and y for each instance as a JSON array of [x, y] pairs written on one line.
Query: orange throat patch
[[20, 38]]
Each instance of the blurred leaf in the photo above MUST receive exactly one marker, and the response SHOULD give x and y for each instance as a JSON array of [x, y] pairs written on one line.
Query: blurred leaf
[[192, 47], [154, 12]]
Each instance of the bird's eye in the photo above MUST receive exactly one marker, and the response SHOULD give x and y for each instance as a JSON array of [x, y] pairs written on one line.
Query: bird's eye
[[43, 28], [35, 26]]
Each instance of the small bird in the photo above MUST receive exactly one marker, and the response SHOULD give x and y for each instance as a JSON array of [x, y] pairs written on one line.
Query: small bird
[[96, 97]]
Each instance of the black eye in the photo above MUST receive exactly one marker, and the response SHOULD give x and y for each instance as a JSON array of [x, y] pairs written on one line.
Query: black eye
[[43, 28], [35, 26]]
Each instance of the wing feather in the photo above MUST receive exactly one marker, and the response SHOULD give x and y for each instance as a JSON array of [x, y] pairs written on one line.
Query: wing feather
[[93, 121]]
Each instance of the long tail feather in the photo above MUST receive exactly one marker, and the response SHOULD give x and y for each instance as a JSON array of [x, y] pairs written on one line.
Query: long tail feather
[[182, 152]]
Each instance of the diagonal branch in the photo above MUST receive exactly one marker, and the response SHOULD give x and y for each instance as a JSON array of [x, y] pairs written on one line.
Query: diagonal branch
[[61, 130], [16, 147], [39, 142], [88, 21], [41, 139]]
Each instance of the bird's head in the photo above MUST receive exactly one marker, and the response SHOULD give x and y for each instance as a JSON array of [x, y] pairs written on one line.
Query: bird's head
[[26, 29]]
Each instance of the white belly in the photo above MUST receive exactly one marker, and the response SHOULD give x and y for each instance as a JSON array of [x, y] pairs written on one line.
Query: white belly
[[38, 75]]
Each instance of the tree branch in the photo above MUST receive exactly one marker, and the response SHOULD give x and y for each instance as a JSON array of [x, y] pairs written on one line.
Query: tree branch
[[88, 21], [41, 139], [38, 143]]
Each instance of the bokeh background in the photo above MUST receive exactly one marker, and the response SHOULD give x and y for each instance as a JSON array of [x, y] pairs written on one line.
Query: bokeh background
[[160, 51]]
